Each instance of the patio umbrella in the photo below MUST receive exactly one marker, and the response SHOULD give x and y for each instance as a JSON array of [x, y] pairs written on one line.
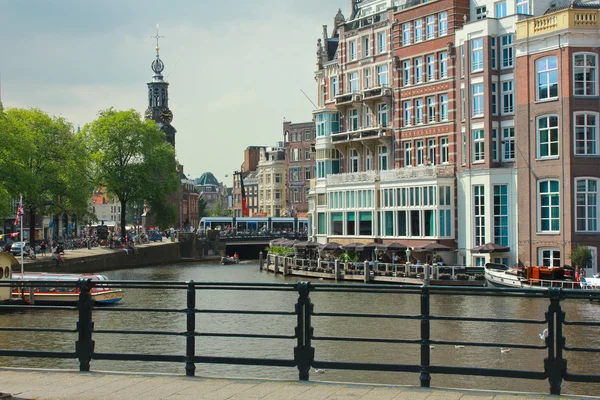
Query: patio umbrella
[[432, 247], [351, 246], [490, 248], [306, 245], [395, 246], [370, 246], [277, 242], [330, 246]]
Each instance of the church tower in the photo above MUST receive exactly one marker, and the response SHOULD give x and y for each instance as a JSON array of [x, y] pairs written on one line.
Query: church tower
[[158, 98]]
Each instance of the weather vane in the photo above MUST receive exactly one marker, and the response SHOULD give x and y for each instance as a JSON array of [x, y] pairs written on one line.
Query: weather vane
[[157, 37]]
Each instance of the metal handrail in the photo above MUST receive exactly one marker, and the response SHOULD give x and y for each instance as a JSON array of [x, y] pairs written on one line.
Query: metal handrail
[[303, 355]]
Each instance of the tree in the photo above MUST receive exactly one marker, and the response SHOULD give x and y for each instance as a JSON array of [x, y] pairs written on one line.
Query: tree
[[220, 210], [581, 256], [202, 208], [49, 165], [7, 148], [132, 160]]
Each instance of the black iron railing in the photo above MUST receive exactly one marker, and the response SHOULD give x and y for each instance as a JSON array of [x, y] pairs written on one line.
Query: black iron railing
[[303, 354]]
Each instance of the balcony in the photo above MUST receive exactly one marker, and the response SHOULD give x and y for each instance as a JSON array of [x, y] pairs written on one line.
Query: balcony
[[344, 100], [377, 93], [352, 177], [366, 21], [420, 172], [571, 18], [361, 134]]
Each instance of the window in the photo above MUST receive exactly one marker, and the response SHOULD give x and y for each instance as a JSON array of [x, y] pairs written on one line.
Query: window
[[549, 257], [508, 101], [353, 82], [420, 152], [406, 34], [508, 142], [351, 221], [295, 175], [367, 116], [368, 160], [419, 106], [586, 134], [585, 75], [443, 107], [586, 211], [430, 60], [406, 67], [382, 75], [307, 173], [462, 104], [507, 51], [430, 26], [443, 65], [501, 214], [547, 78], [522, 6], [480, 12], [443, 23], [445, 147], [365, 225], [277, 178], [479, 214], [431, 156], [446, 223], [494, 144], [407, 154], [494, 98], [407, 113], [462, 61], [295, 154], [383, 158], [493, 51], [547, 135], [366, 78], [476, 55], [354, 161], [381, 42], [418, 70], [478, 100], [431, 109], [321, 223], [352, 53], [501, 9], [418, 30], [549, 206], [464, 148], [478, 145], [382, 114], [334, 87], [307, 137], [365, 46], [353, 119]]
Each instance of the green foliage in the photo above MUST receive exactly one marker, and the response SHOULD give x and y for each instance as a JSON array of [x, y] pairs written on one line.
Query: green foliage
[[202, 208], [348, 257], [581, 256], [281, 251], [133, 161], [48, 164], [219, 210]]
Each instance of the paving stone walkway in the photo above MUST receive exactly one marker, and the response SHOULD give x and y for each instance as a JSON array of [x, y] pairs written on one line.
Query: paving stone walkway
[[55, 384]]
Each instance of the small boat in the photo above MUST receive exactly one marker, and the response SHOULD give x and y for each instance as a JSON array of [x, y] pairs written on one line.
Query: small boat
[[499, 275], [229, 260], [61, 293]]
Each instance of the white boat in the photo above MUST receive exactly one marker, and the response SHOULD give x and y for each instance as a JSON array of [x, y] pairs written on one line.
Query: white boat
[[61, 293], [499, 275]]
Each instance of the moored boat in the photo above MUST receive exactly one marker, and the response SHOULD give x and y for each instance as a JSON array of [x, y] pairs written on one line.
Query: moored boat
[[62, 292], [229, 260], [499, 275]]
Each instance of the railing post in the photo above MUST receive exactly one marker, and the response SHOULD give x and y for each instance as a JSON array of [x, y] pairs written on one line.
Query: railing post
[[425, 378], [555, 366], [304, 354], [84, 347], [190, 333]]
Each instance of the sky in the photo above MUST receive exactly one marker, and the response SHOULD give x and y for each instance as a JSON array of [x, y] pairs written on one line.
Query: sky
[[235, 68]]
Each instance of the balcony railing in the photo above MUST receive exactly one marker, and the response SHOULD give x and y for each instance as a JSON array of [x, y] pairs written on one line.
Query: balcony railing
[[420, 172], [377, 92], [352, 177], [571, 18], [360, 134]]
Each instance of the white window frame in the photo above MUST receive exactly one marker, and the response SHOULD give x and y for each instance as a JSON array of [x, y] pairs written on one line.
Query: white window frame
[[444, 107], [551, 130], [353, 119], [354, 161], [588, 130], [431, 109], [430, 26], [352, 50], [477, 92], [478, 145], [366, 48], [419, 112], [408, 113], [381, 42], [419, 31], [353, 86], [552, 260], [507, 51], [479, 215], [382, 75], [367, 116], [382, 115], [406, 34], [430, 62], [444, 150], [586, 205], [493, 53], [550, 206], [508, 144], [419, 70], [407, 153], [443, 23], [500, 9], [406, 73], [431, 152], [508, 97], [494, 105], [593, 90], [544, 69], [523, 7], [481, 12], [477, 55], [383, 158], [495, 149], [367, 78], [443, 70], [420, 151]]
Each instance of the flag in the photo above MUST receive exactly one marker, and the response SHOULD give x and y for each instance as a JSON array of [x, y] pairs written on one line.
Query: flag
[[244, 200], [19, 212]]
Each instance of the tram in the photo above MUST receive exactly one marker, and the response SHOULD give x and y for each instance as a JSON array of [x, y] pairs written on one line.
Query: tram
[[255, 224]]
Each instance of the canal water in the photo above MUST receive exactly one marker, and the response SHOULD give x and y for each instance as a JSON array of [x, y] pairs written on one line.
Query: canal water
[[323, 326]]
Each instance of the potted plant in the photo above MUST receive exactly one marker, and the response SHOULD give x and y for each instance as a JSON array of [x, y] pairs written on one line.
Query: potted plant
[[445, 277], [479, 277], [462, 277]]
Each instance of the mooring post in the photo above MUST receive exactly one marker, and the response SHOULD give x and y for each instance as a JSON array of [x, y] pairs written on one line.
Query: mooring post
[[276, 267], [260, 260], [285, 265], [426, 276], [336, 269], [190, 334], [84, 347]]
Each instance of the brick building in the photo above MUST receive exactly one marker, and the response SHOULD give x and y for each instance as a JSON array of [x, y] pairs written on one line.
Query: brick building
[[299, 142], [248, 168]]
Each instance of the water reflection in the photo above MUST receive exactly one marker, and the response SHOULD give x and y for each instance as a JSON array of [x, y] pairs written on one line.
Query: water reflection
[[324, 326]]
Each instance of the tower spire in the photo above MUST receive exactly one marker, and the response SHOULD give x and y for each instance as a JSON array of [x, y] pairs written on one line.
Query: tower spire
[[157, 65]]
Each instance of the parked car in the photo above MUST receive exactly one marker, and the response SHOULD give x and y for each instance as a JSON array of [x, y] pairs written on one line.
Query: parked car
[[155, 236], [17, 247]]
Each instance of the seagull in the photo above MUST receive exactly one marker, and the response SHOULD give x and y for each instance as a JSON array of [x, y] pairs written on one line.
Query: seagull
[[319, 371], [459, 346], [544, 334], [504, 350]]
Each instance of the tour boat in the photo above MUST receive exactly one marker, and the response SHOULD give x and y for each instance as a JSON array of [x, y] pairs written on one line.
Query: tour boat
[[229, 260], [499, 275], [60, 293]]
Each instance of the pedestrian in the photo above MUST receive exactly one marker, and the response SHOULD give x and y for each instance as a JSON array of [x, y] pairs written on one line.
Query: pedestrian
[[43, 247]]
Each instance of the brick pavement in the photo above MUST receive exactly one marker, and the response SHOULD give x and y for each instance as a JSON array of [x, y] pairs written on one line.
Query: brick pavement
[[60, 384]]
